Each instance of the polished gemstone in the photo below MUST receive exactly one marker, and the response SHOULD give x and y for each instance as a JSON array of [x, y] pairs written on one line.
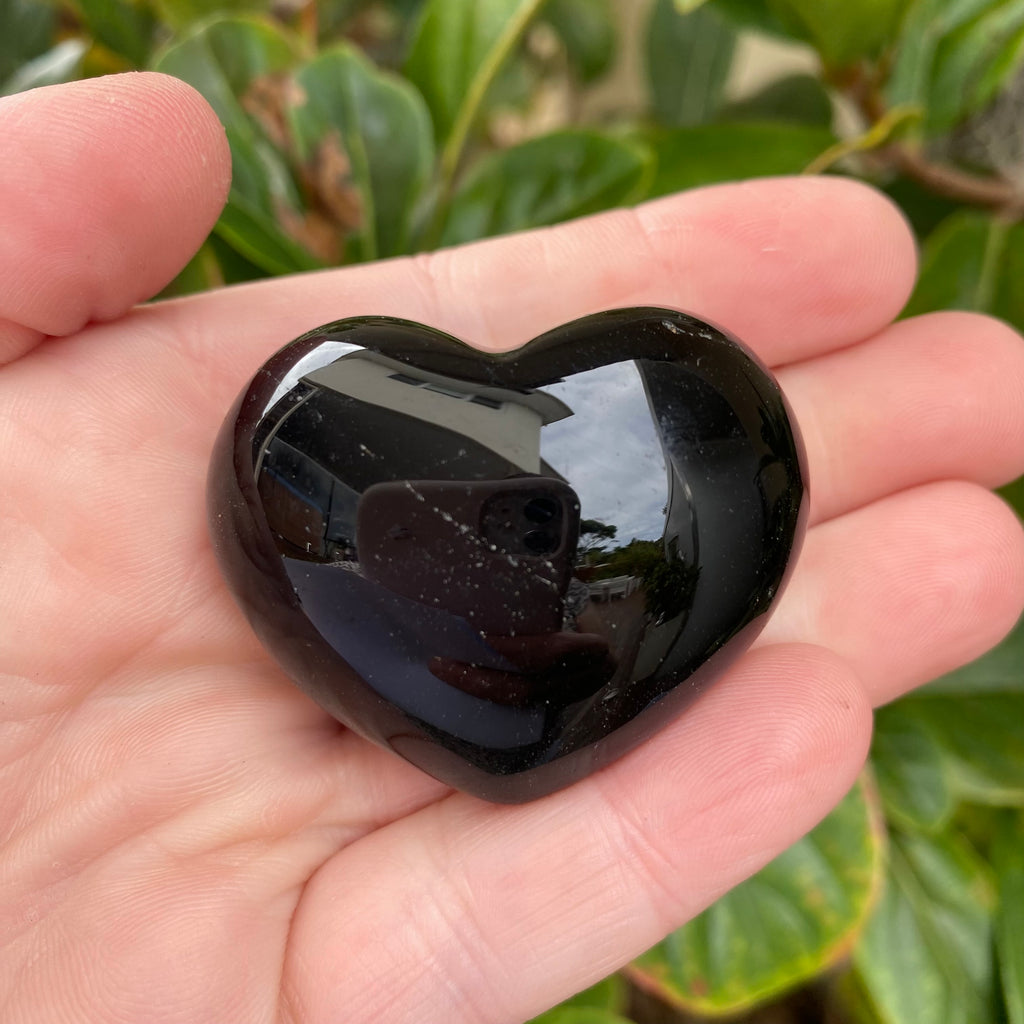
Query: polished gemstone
[[509, 569]]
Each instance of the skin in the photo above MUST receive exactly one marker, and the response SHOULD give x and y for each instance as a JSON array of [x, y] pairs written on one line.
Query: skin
[[185, 837]]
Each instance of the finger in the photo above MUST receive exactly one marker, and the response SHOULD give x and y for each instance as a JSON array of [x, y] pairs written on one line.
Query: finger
[[793, 266], [108, 186], [908, 588], [936, 397], [564, 890]]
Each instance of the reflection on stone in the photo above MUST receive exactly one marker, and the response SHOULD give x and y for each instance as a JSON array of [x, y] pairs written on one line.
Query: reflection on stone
[[491, 563]]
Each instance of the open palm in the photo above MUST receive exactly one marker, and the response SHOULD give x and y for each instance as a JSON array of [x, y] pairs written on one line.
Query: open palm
[[186, 837]]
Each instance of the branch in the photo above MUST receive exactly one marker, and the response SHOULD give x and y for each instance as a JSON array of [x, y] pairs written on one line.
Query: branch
[[954, 183]]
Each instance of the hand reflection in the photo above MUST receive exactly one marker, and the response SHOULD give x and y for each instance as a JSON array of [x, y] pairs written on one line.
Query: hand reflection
[[560, 667]]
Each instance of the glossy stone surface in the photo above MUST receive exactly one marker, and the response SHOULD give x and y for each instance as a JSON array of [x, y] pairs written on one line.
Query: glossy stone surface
[[414, 528]]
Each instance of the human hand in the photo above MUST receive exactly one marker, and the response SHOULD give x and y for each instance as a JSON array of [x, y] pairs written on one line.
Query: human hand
[[184, 836]]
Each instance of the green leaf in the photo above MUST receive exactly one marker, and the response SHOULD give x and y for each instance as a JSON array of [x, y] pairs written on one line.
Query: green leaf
[[1008, 860], [910, 769], [26, 30], [180, 14], [598, 1004], [379, 124], [972, 261], [961, 81], [688, 61], [543, 181], [789, 922], [253, 233], [1008, 300], [753, 14], [959, 738], [925, 957], [60, 64], [588, 32], [800, 99], [125, 28], [842, 32], [926, 24], [458, 49], [960, 262], [237, 64], [704, 154], [953, 56], [982, 741]]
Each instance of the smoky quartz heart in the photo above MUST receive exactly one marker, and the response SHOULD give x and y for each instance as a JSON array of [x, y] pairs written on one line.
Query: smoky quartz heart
[[509, 569]]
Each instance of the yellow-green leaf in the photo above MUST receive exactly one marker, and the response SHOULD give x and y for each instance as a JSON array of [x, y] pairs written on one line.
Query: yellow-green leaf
[[925, 956], [789, 922], [843, 32], [704, 154], [546, 180], [688, 61], [458, 49], [1009, 921]]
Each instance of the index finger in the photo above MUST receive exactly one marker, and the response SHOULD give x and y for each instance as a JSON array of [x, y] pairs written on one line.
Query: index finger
[[793, 266]]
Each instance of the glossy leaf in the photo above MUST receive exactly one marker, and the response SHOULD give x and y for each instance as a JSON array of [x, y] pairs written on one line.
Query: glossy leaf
[[962, 82], [910, 769], [26, 31], [688, 61], [704, 154], [843, 32], [982, 741], [377, 126], [958, 265], [953, 55], [236, 63], [1008, 860], [789, 922], [959, 738], [125, 28], [1008, 301], [546, 180], [927, 23], [62, 63], [972, 261], [925, 957], [588, 32], [253, 233], [458, 49]]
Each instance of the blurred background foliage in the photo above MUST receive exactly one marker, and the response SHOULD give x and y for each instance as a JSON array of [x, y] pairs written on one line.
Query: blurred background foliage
[[363, 129]]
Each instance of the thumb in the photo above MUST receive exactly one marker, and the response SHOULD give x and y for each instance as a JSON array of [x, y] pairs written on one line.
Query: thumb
[[108, 187]]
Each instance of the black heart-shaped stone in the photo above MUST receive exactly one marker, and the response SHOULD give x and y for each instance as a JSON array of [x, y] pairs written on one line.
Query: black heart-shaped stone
[[509, 569]]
